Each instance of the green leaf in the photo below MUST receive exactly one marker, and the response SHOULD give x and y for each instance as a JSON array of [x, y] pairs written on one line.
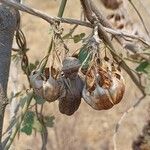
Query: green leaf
[[27, 129], [23, 100], [28, 123], [37, 125], [147, 69], [144, 67], [49, 121], [39, 100], [82, 35], [77, 38], [29, 117], [82, 56], [33, 66]]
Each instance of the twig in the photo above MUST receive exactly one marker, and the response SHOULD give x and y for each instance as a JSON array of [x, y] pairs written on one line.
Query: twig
[[52, 20], [121, 119], [122, 34], [17, 126], [130, 1], [103, 35], [42, 15], [62, 8]]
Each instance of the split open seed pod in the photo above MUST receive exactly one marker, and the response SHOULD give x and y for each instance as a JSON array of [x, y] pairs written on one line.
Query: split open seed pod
[[105, 91], [51, 90], [36, 81]]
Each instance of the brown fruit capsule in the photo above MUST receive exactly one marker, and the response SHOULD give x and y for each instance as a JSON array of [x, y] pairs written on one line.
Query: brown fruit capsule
[[72, 99], [73, 85], [36, 81], [112, 4], [51, 90], [105, 97]]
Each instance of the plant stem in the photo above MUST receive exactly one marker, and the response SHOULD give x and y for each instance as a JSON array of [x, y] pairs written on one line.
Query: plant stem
[[60, 14], [143, 23], [18, 124], [62, 8]]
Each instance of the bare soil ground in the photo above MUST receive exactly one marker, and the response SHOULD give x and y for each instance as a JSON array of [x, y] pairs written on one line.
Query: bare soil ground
[[87, 129]]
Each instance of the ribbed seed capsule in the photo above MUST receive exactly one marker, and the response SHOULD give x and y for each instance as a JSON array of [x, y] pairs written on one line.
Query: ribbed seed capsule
[[50, 90], [104, 97]]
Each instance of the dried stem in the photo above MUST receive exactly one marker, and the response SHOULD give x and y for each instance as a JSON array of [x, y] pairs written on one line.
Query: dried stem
[[145, 28], [103, 35], [52, 20], [17, 126], [122, 118]]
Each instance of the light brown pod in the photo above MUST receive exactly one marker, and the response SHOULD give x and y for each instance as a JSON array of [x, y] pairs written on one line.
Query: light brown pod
[[37, 83], [72, 99], [103, 98], [51, 90]]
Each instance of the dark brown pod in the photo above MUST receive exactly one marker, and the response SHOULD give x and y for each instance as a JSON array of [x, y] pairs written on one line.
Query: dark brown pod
[[72, 99], [70, 67], [73, 85], [112, 4]]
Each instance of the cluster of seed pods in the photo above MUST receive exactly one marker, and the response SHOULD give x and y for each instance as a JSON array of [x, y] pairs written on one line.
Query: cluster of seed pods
[[67, 88], [102, 88]]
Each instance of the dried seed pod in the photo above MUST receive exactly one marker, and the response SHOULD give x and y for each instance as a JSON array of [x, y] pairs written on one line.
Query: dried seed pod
[[51, 90], [72, 99], [104, 97], [112, 4], [118, 88], [36, 81], [73, 85], [70, 67]]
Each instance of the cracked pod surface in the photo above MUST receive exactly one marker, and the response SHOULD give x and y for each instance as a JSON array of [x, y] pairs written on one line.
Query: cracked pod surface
[[103, 89], [73, 85], [36, 81], [49, 89]]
